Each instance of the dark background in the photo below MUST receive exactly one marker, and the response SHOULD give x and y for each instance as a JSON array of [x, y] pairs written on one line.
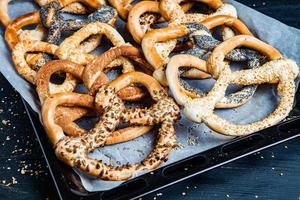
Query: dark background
[[270, 174]]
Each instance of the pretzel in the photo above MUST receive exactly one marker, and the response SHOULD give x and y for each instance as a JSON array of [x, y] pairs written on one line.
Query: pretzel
[[68, 49], [143, 15], [94, 69], [65, 117], [74, 150], [158, 59], [51, 17], [18, 56], [75, 6], [15, 28], [43, 86], [281, 71], [172, 12]]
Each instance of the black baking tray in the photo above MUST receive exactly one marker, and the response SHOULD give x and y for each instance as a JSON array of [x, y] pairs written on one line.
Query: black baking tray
[[69, 186]]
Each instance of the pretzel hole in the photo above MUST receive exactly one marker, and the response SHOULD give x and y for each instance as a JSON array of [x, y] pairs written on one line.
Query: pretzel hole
[[58, 78], [199, 7]]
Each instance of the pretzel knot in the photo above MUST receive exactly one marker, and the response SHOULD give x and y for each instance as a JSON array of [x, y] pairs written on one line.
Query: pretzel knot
[[279, 71], [74, 150]]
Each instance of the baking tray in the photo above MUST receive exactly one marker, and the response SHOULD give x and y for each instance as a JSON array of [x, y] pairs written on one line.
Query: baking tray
[[69, 186]]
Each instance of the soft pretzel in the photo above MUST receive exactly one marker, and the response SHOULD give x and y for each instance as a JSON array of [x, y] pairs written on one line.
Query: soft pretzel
[[68, 49], [75, 6], [15, 27], [143, 15], [52, 19], [65, 117], [74, 150], [95, 68], [158, 59], [281, 71], [45, 89], [122, 6], [18, 56], [215, 63]]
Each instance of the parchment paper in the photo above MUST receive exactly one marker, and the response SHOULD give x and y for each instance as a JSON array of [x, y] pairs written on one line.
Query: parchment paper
[[191, 138]]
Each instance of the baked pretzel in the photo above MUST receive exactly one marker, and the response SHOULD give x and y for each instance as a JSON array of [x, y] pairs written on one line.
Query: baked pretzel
[[52, 19], [281, 71], [74, 150], [94, 69], [75, 6], [43, 86], [69, 48], [15, 28], [158, 59], [18, 56], [65, 117], [173, 12], [143, 15]]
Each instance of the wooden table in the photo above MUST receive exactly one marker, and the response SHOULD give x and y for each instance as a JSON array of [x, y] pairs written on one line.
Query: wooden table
[[270, 174]]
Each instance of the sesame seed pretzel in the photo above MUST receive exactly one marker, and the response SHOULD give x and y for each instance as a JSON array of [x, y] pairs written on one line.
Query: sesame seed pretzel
[[65, 117], [74, 150], [75, 6], [143, 15], [281, 71], [68, 49], [30, 74]]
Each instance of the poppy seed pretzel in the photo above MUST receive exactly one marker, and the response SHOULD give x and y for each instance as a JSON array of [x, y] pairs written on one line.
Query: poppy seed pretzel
[[281, 71], [158, 59], [74, 150], [52, 18], [143, 15], [68, 49]]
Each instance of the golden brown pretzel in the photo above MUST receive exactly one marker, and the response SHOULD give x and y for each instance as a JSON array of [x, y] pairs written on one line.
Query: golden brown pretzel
[[13, 29], [65, 117], [18, 56], [122, 6], [141, 17], [68, 49], [74, 150], [95, 68], [45, 90]]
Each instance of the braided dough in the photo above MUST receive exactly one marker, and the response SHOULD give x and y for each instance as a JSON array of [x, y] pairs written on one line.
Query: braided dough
[[74, 150]]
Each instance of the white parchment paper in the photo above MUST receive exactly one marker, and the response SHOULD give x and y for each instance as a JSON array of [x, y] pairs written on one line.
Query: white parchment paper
[[192, 138]]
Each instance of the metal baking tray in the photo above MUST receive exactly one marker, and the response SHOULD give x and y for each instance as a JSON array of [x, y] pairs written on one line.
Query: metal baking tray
[[69, 186]]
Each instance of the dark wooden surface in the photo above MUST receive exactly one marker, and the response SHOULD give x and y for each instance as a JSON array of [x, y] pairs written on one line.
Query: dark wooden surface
[[270, 174]]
